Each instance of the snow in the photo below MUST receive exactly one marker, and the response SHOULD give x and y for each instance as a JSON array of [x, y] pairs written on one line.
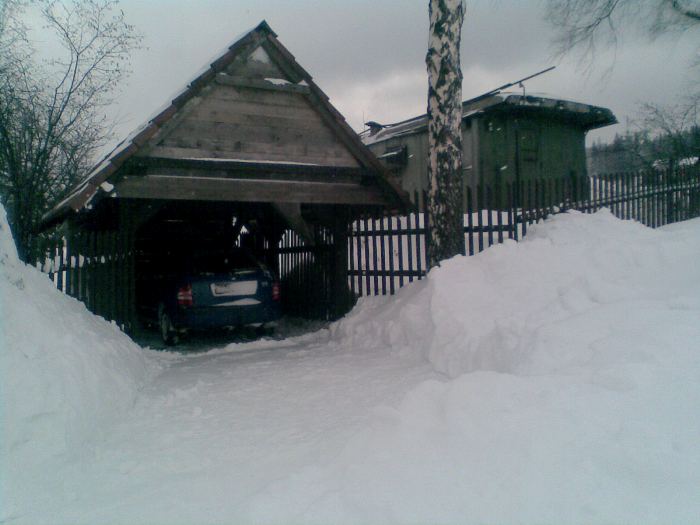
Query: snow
[[548, 381], [278, 81], [65, 376]]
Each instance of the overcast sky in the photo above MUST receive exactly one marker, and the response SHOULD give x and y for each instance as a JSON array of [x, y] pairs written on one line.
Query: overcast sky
[[368, 55]]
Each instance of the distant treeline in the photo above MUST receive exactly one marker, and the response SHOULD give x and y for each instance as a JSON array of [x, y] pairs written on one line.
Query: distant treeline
[[641, 150]]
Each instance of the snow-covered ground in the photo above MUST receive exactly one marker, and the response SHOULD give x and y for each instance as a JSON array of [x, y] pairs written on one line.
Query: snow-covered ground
[[554, 380]]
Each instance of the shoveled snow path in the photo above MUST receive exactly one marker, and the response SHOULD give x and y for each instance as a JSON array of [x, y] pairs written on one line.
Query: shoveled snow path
[[216, 428], [570, 395]]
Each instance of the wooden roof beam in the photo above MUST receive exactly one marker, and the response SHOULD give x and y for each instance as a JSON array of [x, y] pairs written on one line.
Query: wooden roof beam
[[243, 82], [246, 190]]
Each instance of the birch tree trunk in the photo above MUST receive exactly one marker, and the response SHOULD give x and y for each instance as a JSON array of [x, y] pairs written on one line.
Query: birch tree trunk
[[444, 131]]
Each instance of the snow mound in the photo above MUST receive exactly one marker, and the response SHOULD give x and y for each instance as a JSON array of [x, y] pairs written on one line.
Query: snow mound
[[496, 311], [553, 380], [571, 388], [65, 374]]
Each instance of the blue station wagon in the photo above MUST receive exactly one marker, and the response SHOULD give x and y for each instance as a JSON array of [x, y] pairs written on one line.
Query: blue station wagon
[[213, 289]]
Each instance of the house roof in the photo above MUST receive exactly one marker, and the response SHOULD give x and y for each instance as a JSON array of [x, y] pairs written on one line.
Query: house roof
[[584, 115], [99, 181]]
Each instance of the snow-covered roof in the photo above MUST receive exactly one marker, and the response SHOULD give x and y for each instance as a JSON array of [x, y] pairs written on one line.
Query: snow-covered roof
[[589, 117]]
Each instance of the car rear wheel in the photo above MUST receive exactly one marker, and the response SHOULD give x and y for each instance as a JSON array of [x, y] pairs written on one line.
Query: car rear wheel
[[266, 329], [167, 329]]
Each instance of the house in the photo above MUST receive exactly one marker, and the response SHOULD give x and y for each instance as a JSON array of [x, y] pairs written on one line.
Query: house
[[252, 142], [506, 138]]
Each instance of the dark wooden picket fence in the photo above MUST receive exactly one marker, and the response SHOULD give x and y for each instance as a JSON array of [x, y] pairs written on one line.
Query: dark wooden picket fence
[[305, 274], [96, 271], [386, 253]]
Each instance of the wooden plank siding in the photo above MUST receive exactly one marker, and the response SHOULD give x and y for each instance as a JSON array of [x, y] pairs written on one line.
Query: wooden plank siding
[[253, 124], [260, 122]]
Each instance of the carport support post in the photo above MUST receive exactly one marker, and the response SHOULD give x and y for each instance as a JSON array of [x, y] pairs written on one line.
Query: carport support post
[[127, 227], [340, 294]]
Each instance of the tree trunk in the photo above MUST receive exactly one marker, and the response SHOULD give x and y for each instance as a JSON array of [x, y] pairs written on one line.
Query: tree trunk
[[17, 214], [444, 131]]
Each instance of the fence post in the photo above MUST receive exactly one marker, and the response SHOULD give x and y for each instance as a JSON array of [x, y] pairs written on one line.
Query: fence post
[[392, 284], [423, 234], [489, 211], [470, 221], [500, 206], [366, 264], [669, 184], [339, 283], [479, 217], [59, 268]]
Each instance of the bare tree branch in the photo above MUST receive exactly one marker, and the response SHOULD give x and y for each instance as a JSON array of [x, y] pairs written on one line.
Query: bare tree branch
[[686, 11], [585, 26], [50, 112]]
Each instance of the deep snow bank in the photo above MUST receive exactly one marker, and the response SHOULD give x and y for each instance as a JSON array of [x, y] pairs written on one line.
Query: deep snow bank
[[571, 396], [65, 375], [574, 357], [491, 312]]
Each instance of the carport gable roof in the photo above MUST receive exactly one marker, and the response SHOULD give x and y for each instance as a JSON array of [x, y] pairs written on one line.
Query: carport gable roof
[[141, 144]]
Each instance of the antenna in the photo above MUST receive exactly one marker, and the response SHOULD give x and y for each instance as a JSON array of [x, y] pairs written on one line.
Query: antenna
[[519, 83]]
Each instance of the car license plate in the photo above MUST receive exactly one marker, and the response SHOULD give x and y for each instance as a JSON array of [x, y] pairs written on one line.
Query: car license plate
[[234, 288]]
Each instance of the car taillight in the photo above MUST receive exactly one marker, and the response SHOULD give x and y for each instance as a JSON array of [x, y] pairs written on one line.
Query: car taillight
[[276, 291], [184, 296]]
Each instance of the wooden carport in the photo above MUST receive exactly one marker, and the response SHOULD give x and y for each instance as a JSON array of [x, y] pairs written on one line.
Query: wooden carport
[[251, 139]]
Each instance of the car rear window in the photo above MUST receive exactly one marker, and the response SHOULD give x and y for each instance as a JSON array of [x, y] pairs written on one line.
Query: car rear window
[[222, 262]]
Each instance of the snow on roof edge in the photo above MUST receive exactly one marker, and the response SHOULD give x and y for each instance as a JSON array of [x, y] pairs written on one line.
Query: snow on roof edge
[[404, 127], [102, 165]]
